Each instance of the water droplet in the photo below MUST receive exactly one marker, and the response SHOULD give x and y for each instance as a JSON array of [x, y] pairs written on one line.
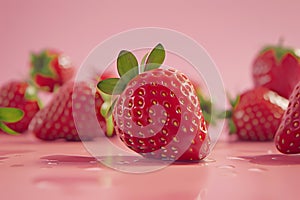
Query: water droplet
[[257, 169], [52, 162], [123, 162], [93, 169], [17, 165], [236, 158], [209, 160], [226, 167]]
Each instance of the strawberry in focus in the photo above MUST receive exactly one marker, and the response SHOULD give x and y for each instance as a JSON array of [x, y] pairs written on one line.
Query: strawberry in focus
[[19, 94], [256, 114], [287, 138], [50, 69], [56, 120], [157, 113], [278, 69]]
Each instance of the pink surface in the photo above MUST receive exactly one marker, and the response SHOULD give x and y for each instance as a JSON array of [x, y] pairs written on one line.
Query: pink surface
[[231, 31], [31, 169]]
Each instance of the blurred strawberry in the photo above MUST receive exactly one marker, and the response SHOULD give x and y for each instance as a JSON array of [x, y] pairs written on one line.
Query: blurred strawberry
[[256, 114], [50, 69], [277, 68], [19, 94], [9, 115], [56, 120]]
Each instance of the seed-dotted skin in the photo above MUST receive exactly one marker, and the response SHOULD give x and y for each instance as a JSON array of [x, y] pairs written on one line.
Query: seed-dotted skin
[[159, 116], [287, 139], [56, 119], [258, 114], [12, 94]]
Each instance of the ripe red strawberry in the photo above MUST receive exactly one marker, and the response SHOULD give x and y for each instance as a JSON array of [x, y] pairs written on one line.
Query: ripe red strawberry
[[278, 69], [256, 114], [50, 69], [158, 114], [56, 119], [18, 94], [287, 138]]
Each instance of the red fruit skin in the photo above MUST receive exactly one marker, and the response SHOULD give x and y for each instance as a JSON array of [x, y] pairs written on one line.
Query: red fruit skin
[[59, 65], [280, 76], [56, 120], [287, 139], [158, 115], [12, 94], [258, 113]]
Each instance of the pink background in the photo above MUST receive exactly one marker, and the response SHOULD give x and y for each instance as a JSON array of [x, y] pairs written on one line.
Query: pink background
[[231, 31]]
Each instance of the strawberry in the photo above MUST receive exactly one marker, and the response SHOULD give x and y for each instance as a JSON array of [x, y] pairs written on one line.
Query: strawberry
[[157, 113], [287, 138], [278, 69], [56, 120], [19, 94], [50, 69], [256, 114]]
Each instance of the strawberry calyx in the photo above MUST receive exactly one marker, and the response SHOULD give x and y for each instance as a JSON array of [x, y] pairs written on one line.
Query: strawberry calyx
[[227, 114], [128, 68], [10, 115], [41, 64], [279, 52]]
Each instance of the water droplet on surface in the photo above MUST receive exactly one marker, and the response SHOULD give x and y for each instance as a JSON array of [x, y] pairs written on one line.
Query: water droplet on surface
[[226, 167], [52, 162], [123, 162], [17, 165], [209, 160], [236, 158], [93, 169], [257, 169]]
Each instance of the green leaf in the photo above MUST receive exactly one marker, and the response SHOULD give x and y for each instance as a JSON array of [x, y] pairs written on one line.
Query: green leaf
[[8, 130], [143, 61], [155, 58], [11, 115], [108, 86], [109, 126], [232, 127], [127, 62]]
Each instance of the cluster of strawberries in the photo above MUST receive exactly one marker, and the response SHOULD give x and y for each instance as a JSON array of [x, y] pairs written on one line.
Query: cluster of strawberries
[[270, 109], [155, 111], [52, 72]]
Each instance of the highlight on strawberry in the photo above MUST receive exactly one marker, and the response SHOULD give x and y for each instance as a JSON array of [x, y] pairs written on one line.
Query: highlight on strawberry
[[155, 110], [255, 114], [287, 138], [50, 69]]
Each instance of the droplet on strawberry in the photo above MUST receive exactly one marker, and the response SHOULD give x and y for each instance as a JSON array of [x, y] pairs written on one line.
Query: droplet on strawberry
[[287, 137], [256, 114], [19, 94], [56, 120], [157, 113], [50, 69], [277, 68]]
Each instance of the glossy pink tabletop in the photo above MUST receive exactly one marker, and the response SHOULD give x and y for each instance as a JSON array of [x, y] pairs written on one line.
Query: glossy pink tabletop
[[31, 169]]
